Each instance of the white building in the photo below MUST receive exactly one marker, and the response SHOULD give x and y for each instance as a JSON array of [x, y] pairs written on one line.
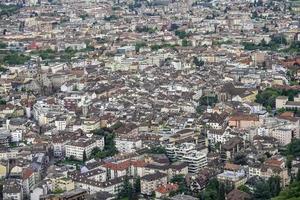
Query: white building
[[16, 136], [196, 160], [128, 145], [187, 152], [78, 147], [283, 135]]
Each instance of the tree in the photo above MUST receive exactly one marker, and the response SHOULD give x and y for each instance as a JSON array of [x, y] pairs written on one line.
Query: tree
[[262, 191], [2, 45], [84, 158], [198, 62], [126, 190], [292, 192], [274, 185], [244, 188], [214, 191], [240, 159], [298, 176], [181, 34], [186, 43], [157, 150], [180, 180], [222, 191]]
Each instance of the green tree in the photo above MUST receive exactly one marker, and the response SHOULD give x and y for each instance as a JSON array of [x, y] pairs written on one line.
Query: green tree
[[181, 34], [186, 43], [198, 62], [15, 59], [240, 159], [292, 192], [298, 176], [244, 188], [2, 45], [84, 158], [180, 180], [127, 190], [262, 191], [274, 185]]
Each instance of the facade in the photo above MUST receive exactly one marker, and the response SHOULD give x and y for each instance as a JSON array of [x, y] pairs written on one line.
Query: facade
[[82, 146], [128, 145], [12, 190], [149, 183], [196, 160]]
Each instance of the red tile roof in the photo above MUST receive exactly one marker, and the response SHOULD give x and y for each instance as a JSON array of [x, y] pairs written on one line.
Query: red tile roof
[[164, 189]]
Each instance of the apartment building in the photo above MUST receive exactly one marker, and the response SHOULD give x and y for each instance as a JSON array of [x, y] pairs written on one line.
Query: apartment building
[[196, 160], [80, 146], [151, 182], [128, 145], [187, 152], [12, 189]]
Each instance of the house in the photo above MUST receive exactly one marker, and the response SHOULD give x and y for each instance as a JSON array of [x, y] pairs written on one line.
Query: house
[[233, 175], [243, 121], [150, 182], [231, 147], [164, 190]]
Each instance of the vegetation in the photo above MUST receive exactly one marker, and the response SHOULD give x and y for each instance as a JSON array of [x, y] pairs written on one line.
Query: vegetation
[[186, 43], [110, 18], [3, 69], [57, 191], [139, 45], [182, 188], [157, 150], [293, 48], [268, 97], [145, 29], [130, 191], [2, 101], [181, 34], [293, 149], [110, 146], [244, 188], [2, 45], [13, 58], [214, 191], [198, 62], [273, 45], [8, 10], [292, 192], [206, 101], [240, 159], [267, 189], [161, 46]]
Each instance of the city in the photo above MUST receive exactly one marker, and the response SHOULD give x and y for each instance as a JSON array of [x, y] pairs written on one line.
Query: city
[[150, 99]]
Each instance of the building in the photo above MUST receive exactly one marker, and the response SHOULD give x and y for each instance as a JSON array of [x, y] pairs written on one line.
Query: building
[[164, 190], [12, 190], [233, 175], [196, 160], [186, 152], [128, 145], [283, 135], [81, 146], [151, 182], [281, 101]]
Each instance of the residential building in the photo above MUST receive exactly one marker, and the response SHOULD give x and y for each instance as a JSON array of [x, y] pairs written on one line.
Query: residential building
[[150, 182]]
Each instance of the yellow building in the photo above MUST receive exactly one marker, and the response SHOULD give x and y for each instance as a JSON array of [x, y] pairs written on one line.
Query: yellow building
[[63, 183], [3, 171]]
